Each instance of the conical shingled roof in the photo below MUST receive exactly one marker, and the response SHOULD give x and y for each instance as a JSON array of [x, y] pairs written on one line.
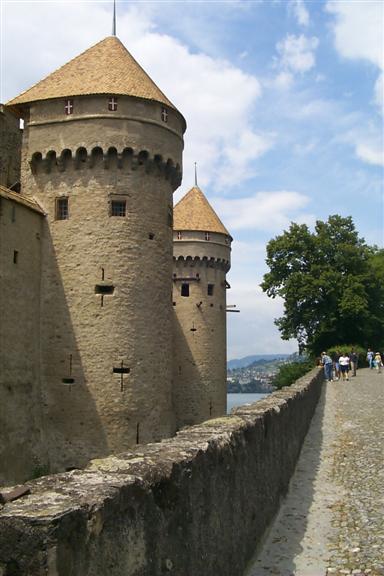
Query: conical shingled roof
[[105, 68], [194, 212]]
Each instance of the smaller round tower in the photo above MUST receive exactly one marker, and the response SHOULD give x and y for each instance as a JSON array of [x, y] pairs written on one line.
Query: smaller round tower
[[201, 256]]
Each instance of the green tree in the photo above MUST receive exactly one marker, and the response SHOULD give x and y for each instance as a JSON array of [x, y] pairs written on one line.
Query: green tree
[[332, 284]]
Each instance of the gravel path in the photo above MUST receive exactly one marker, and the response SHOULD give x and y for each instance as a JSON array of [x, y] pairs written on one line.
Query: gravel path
[[332, 521]]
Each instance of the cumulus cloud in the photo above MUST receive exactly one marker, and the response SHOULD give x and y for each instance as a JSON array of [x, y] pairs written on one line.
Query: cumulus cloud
[[358, 30], [264, 211], [254, 329], [370, 153], [300, 12], [216, 97], [358, 35], [297, 53]]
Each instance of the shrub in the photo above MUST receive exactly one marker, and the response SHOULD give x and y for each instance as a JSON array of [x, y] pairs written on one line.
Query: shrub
[[340, 348], [289, 373]]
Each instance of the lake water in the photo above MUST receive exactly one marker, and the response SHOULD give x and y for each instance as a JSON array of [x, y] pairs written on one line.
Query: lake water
[[235, 400]]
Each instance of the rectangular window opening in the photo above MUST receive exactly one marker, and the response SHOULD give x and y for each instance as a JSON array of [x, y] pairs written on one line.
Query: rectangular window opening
[[68, 380], [121, 370], [185, 290], [179, 235], [15, 256], [210, 289], [207, 235], [62, 212], [104, 289], [118, 208]]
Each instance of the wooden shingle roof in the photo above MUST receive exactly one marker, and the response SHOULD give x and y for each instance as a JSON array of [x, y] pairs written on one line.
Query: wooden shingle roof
[[105, 68], [194, 212]]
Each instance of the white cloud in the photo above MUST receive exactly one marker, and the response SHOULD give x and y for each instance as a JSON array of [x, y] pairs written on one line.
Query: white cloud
[[379, 91], [283, 80], [300, 12], [264, 211], [297, 53], [358, 29], [216, 97], [370, 153], [359, 35], [253, 329]]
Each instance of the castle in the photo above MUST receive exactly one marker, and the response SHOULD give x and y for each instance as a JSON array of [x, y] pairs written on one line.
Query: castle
[[113, 305]]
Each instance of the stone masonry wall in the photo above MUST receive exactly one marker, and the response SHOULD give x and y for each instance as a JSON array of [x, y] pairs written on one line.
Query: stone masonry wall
[[193, 505], [10, 148], [21, 436]]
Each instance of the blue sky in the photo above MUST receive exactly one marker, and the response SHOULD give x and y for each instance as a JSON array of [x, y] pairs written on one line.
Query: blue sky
[[283, 101]]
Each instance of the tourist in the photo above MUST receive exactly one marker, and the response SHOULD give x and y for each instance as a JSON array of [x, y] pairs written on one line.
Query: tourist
[[336, 367], [327, 363], [370, 356], [344, 366], [378, 362], [354, 357]]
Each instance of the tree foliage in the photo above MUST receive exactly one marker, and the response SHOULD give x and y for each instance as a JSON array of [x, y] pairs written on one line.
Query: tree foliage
[[289, 373], [332, 284]]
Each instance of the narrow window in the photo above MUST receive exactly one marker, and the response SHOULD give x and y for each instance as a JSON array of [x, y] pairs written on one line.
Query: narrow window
[[112, 104], [170, 217], [179, 235], [185, 290], [210, 289], [68, 107], [15, 256], [164, 115], [207, 235], [118, 208], [62, 209]]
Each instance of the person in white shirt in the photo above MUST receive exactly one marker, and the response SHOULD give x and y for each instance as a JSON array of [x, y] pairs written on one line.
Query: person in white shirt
[[344, 366]]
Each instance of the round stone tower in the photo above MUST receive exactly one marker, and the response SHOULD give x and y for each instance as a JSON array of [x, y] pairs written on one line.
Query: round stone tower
[[102, 154], [201, 259]]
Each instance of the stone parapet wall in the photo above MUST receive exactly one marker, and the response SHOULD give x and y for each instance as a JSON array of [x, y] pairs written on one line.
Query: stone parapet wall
[[193, 505]]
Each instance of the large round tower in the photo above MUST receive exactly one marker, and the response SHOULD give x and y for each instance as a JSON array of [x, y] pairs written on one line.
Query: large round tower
[[201, 259], [102, 154]]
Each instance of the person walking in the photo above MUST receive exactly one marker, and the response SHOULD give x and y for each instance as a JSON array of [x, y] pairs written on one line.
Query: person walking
[[344, 366], [336, 367], [370, 356], [354, 358], [328, 364], [378, 362]]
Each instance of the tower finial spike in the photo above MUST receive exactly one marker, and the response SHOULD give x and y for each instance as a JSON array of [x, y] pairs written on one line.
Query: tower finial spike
[[114, 19], [195, 173]]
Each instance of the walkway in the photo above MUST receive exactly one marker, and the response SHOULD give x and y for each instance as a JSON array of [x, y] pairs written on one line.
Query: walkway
[[332, 521]]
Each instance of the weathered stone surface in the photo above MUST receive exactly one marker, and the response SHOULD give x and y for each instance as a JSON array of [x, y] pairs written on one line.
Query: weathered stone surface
[[189, 505]]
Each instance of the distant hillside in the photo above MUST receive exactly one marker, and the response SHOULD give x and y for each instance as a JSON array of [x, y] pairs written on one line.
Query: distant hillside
[[248, 360]]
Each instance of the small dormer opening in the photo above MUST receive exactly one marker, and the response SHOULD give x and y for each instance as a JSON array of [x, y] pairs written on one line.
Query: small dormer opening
[[185, 290], [112, 104], [62, 212], [207, 235], [118, 208], [68, 106], [210, 289], [164, 115]]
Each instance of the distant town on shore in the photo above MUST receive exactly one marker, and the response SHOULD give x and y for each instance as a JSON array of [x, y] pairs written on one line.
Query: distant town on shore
[[255, 374]]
